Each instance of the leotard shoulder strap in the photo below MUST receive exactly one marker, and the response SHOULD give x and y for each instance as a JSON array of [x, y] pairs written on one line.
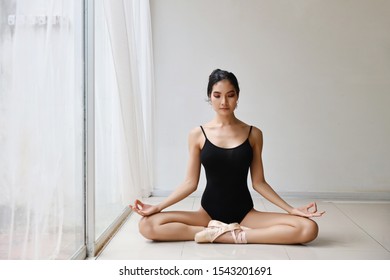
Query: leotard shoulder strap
[[204, 133]]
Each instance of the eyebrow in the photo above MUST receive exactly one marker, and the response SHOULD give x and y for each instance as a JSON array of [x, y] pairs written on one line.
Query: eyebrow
[[232, 91]]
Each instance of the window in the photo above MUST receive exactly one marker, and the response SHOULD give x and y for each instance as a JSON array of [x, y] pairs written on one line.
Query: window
[[74, 123], [41, 135]]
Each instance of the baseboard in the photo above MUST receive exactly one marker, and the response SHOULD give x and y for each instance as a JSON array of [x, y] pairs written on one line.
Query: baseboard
[[331, 196]]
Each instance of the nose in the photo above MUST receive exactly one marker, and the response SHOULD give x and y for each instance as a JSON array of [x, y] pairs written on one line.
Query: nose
[[224, 100]]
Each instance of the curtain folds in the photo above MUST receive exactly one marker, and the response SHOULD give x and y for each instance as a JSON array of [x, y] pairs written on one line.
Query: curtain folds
[[129, 28]]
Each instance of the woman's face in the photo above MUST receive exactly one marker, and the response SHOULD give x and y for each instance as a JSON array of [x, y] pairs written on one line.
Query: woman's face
[[224, 97]]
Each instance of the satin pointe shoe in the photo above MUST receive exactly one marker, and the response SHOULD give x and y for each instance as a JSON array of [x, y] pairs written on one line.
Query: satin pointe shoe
[[239, 237], [215, 223], [209, 234]]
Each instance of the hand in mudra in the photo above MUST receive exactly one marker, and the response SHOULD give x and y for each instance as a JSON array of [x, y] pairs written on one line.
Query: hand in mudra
[[307, 211], [144, 209]]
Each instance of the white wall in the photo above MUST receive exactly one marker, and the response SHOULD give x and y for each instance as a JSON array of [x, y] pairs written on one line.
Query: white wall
[[314, 77]]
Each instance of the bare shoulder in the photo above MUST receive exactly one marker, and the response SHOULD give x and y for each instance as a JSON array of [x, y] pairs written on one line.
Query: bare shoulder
[[196, 132], [256, 132], [256, 137], [195, 137]]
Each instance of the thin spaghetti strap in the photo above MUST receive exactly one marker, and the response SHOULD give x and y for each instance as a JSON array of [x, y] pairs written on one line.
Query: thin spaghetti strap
[[204, 133], [250, 131]]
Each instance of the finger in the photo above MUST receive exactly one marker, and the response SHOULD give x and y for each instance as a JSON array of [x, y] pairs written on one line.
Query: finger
[[134, 208], [319, 214], [312, 205], [139, 212], [138, 204]]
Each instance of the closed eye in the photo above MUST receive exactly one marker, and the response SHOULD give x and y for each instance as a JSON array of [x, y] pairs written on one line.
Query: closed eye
[[229, 94]]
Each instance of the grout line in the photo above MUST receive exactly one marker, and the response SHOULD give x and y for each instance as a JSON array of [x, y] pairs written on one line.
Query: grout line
[[285, 250], [360, 227], [182, 250]]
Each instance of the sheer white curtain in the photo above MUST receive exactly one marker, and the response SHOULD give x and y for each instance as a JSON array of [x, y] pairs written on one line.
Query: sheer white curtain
[[124, 106], [129, 29], [41, 129]]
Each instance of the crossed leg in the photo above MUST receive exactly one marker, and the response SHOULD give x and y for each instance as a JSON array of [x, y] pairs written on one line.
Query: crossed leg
[[264, 227], [275, 228], [174, 225]]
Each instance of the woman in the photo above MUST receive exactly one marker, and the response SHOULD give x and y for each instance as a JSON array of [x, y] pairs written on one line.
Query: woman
[[228, 148]]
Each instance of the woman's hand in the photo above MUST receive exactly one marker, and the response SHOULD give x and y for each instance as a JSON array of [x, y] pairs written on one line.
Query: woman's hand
[[144, 209], [306, 211]]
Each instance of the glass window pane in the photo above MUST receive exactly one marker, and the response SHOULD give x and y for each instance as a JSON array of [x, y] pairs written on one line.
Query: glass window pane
[[112, 162], [41, 129]]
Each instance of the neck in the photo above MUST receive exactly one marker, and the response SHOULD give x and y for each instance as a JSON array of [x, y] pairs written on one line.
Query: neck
[[225, 120]]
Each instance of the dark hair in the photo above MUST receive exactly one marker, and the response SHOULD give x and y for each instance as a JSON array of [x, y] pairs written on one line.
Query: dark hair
[[219, 75]]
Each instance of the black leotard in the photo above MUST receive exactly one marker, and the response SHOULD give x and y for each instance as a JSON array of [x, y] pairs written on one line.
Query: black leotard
[[226, 197]]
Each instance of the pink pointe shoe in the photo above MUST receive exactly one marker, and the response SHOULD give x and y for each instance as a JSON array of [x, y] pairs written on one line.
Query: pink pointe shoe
[[216, 228], [215, 223]]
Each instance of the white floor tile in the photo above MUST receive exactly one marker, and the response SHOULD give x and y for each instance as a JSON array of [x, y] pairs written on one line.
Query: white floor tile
[[309, 253], [373, 218], [222, 251]]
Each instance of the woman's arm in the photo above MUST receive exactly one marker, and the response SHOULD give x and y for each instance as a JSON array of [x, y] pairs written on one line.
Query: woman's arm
[[188, 186], [257, 173], [263, 188]]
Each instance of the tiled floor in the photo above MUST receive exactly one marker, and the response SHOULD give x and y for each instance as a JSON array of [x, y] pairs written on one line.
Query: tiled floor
[[349, 230]]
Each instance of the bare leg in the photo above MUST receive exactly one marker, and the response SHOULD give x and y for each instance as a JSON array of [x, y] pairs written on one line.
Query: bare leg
[[173, 225], [275, 228]]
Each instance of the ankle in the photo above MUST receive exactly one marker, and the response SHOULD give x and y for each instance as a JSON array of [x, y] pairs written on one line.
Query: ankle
[[241, 237], [237, 236]]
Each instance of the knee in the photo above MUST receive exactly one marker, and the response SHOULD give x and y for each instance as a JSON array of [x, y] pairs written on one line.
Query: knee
[[147, 228], [309, 231]]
